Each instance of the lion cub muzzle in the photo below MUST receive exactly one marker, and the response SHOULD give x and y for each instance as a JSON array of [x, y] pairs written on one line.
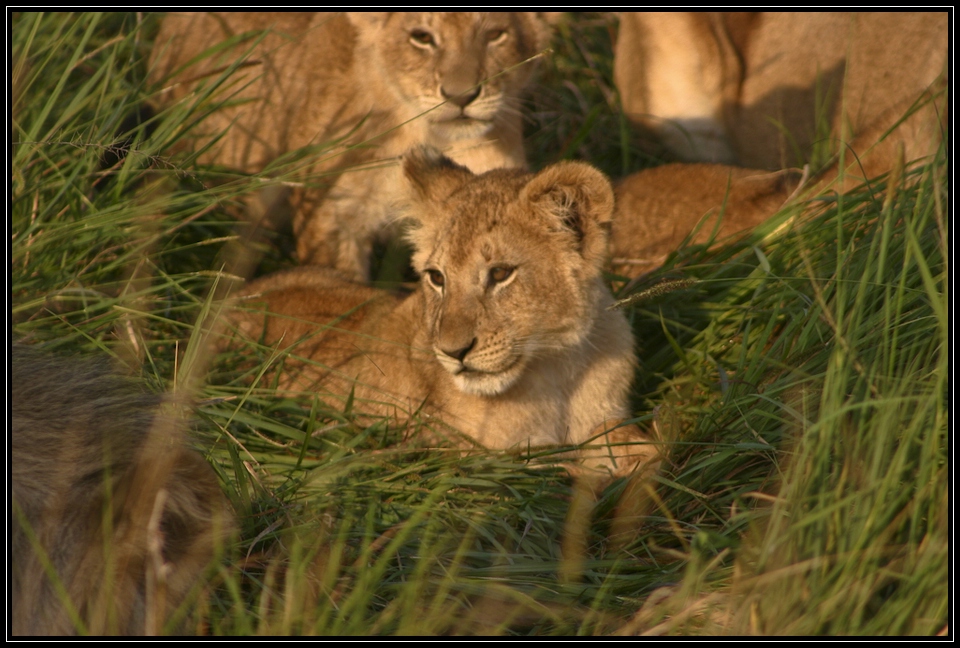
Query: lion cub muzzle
[[481, 368], [462, 99], [457, 354]]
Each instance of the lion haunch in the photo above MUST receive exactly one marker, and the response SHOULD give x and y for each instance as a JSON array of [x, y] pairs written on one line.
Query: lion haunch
[[506, 339], [660, 207], [94, 465], [366, 86], [764, 89]]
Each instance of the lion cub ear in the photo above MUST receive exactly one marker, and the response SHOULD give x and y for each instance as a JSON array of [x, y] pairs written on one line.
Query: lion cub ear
[[432, 177], [578, 198], [432, 174]]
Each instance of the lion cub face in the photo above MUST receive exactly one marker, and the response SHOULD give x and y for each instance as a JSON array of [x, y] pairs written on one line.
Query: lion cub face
[[437, 62], [510, 264]]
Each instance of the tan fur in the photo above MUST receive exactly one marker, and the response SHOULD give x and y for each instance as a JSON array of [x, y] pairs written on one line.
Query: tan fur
[[506, 339], [382, 80], [749, 87], [658, 208], [105, 490]]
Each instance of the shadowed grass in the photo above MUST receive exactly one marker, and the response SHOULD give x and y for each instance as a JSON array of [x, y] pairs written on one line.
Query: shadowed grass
[[574, 113]]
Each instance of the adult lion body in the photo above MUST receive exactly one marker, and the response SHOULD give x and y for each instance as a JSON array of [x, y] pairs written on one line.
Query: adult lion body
[[368, 86], [763, 89], [506, 338], [107, 495]]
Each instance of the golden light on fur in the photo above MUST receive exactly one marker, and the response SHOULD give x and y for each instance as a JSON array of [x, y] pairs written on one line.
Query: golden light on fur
[[658, 208], [506, 340], [769, 89]]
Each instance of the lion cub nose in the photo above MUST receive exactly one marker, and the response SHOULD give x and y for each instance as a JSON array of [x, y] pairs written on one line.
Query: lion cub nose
[[462, 99], [459, 354]]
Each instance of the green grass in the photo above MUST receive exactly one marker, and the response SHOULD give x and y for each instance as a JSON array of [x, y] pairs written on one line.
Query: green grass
[[801, 382]]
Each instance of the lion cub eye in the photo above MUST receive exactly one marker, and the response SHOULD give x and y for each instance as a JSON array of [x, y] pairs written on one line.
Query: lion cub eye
[[421, 37], [500, 274], [496, 35], [436, 278]]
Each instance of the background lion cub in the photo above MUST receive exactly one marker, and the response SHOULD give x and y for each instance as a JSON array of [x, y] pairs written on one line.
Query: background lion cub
[[114, 519], [506, 339], [367, 86]]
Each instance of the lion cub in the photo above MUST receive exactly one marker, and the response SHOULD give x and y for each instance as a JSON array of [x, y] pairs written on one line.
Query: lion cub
[[364, 87], [113, 518], [506, 339]]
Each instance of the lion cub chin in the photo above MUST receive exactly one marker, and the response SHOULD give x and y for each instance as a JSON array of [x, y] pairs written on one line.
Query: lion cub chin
[[506, 339], [362, 88]]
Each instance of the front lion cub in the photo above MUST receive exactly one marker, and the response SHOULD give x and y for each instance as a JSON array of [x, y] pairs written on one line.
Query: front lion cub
[[506, 339]]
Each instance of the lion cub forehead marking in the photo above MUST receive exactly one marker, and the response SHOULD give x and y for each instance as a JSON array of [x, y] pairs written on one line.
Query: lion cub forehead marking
[[460, 247], [486, 251], [483, 217], [474, 230], [470, 20], [463, 23], [483, 251]]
